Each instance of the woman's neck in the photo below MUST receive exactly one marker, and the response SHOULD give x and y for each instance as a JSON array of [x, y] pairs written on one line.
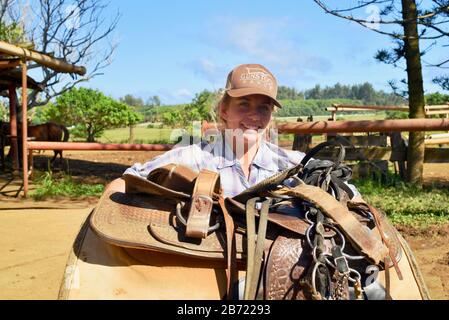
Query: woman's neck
[[249, 153]]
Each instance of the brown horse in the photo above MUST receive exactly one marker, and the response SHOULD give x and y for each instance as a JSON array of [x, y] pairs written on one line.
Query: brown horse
[[48, 131]]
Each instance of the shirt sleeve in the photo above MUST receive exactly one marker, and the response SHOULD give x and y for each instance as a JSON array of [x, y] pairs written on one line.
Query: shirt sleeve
[[288, 158], [190, 156], [353, 189]]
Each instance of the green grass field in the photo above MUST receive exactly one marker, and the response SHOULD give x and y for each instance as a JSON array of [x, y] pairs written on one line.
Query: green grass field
[[141, 135]]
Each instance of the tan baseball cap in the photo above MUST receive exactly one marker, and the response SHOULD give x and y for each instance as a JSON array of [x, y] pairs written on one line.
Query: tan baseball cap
[[247, 79]]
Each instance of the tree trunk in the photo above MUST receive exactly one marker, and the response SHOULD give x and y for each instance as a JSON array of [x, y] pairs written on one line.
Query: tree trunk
[[90, 134], [90, 137], [131, 133], [415, 154]]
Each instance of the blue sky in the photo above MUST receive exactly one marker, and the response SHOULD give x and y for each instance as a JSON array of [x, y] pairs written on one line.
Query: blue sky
[[175, 49]]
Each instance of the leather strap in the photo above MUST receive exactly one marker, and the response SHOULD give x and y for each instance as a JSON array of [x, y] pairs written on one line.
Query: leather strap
[[231, 262], [255, 248], [251, 244], [376, 215], [368, 242], [260, 244], [201, 206]]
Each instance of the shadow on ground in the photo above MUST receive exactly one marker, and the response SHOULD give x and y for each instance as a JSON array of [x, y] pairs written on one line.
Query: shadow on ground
[[87, 171]]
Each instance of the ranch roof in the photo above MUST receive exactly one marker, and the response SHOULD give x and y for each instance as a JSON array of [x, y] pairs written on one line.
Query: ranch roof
[[14, 76]]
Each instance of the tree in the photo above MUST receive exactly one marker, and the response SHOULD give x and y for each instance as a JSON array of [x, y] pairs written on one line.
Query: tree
[[150, 108], [201, 107], [442, 81], [172, 118], [289, 93], [11, 33], [4, 111], [314, 93], [415, 23], [137, 105], [364, 92], [77, 31], [130, 100], [154, 101], [90, 112], [437, 98]]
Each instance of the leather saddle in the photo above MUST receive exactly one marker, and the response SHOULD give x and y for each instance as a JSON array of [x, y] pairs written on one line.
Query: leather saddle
[[295, 240]]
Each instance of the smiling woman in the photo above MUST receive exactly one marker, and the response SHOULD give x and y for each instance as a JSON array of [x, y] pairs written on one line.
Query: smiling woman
[[241, 154]]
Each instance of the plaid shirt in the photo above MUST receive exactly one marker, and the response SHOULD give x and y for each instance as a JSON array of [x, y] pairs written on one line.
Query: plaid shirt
[[219, 157]]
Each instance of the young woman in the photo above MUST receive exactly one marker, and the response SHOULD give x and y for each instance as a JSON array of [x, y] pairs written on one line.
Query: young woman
[[241, 154]]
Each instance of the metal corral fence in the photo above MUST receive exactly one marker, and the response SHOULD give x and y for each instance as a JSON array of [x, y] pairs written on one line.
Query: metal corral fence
[[322, 127], [373, 151]]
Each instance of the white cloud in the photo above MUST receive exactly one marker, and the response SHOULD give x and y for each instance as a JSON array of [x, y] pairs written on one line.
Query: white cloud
[[183, 93], [272, 42], [208, 70]]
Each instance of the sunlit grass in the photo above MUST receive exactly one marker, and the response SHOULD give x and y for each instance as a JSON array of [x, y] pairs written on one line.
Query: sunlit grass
[[141, 135], [407, 204], [48, 186]]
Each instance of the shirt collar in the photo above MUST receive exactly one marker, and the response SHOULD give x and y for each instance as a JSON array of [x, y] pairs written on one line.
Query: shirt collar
[[265, 157], [224, 153]]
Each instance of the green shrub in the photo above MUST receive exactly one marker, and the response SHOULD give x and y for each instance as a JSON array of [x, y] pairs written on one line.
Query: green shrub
[[155, 125], [49, 186]]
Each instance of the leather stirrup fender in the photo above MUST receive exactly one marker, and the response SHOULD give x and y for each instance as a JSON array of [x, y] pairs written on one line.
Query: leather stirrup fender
[[201, 205]]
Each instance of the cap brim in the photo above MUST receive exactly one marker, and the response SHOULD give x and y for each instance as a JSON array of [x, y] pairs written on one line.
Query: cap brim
[[237, 93]]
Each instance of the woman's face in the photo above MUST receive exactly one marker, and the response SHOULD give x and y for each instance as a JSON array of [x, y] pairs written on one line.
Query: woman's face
[[251, 114]]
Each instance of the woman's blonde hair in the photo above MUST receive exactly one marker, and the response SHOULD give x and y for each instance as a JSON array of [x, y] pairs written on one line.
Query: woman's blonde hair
[[223, 101]]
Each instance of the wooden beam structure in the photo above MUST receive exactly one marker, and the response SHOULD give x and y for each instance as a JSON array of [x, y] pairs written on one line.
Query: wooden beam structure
[[436, 112], [24, 127], [439, 141], [429, 110], [13, 126], [350, 107], [44, 145], [431, 155], [44, 60], [364, 126], [9, 63], [20, 56]]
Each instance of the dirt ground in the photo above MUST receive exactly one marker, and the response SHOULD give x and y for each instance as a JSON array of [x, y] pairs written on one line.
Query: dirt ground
[[36, 237]]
